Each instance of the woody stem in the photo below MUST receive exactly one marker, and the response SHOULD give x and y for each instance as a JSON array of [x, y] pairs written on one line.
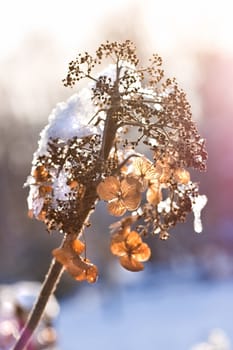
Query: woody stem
[[53, 276], [50, 283]]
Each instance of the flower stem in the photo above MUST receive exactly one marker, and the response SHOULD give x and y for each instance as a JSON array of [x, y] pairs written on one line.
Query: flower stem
[[50, 283], [54, 274]]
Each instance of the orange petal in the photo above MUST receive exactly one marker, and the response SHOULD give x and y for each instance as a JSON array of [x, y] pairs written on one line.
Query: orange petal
[[92, 274], [182, 176], [40, 174], [72, 183], [141, 165], [129, 185], [42, 215], [145, 168], [154, 195], [131, 264], [118, 248], [166, 174], [83, 270], [62, 255], [43, 190], [133, 201], [133, 240], [116, 208], [131, 195], [109, 188], [142, 253], [78, 246]]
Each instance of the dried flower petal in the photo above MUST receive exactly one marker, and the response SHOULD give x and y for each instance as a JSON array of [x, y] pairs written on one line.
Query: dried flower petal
[[133, 240], [85, 271], [62, 255], [118, 248], [142, 253], [131, 264], [109, 188], [43, 190], [182, 176], [131, 195], [81, 269], [116, 208], [78, 246], [40, 174], [154, 194]]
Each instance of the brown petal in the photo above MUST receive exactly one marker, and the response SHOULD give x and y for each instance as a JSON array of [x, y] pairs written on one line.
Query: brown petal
[[42, 215], [133, 201], [141, 165], [72, 183], [166, 174], [41, 174], [92, 273], [43, 190], [131, 194], [116, 208], [133, 240], [182, 176], [131, 264], [142, 253], [82, 270], [78, 246], [154, 195], [109, 188], [118, 248], [129, 185], [62, 255]]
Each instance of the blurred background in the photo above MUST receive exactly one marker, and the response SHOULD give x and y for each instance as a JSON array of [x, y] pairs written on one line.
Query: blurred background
[[185, 295]]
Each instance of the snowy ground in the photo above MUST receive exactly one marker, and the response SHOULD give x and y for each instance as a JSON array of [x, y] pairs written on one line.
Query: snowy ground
[[163, 310]]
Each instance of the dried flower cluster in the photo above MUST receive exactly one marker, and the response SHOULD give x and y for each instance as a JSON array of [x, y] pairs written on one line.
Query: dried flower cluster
[[127, 139]]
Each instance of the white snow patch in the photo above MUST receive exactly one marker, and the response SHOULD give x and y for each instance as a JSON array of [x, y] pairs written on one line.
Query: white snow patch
[[197, 206]]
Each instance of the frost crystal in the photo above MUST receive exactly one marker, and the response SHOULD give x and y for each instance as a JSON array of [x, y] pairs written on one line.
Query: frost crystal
[[197, 206]]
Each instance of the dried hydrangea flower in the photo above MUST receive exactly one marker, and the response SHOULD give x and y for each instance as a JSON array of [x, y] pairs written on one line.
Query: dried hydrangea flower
[[130, 249], [80, 268], [121, 195], [91, 150]]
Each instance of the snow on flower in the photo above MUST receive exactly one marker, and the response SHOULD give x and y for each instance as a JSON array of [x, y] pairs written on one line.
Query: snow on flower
[[197, 206], [67, 120]]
